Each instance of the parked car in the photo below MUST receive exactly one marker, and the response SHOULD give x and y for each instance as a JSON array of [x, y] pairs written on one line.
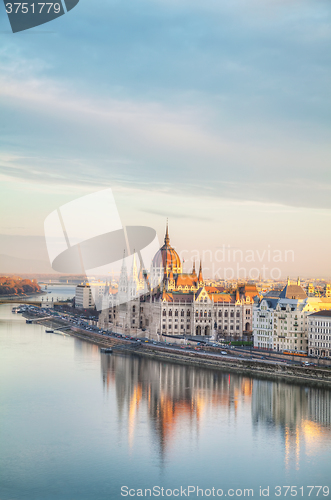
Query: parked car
[[223, 352]]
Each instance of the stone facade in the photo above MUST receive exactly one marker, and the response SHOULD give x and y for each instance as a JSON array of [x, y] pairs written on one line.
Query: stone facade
[[167, 302], [319, 334], [280, 319]]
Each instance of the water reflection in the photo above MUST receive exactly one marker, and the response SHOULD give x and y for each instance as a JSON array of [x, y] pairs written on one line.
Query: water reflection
[[301, 413], [173, 394]]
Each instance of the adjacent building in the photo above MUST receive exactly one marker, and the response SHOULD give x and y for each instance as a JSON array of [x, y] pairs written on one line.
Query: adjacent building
[[83, 297], [280, 318], [319, 334], [89, 295]]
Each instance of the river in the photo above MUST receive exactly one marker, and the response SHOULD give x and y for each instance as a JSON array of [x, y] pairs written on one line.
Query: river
[[76, 424]]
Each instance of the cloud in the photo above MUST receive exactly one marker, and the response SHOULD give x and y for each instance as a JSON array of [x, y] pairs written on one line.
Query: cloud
[[205, 99]]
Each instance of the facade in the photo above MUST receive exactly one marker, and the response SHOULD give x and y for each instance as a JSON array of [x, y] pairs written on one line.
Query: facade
[[168, 302], [83, 297], [280, 319], [90, 295], [319, 334]]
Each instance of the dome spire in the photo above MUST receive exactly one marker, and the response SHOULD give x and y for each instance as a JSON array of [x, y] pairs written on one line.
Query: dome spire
[[166, 238]]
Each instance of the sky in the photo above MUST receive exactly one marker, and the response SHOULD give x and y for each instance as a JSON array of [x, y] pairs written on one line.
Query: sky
[[215, 114]]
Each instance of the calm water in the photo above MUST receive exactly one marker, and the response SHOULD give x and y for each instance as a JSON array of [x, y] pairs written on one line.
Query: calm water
[[55, 292], [75, 424]]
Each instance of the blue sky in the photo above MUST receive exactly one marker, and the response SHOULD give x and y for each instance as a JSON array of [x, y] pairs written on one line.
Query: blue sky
[[212, 113]]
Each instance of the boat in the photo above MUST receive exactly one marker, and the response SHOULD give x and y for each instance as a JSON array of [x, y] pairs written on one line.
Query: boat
[[29, 321], [106, 350], [14, 310], [49, 330]]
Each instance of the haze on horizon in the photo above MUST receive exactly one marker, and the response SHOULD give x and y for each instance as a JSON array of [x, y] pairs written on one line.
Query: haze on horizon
[[216, 115]]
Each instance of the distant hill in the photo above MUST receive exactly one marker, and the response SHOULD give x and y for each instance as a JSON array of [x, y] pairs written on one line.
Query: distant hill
[[17, 286]]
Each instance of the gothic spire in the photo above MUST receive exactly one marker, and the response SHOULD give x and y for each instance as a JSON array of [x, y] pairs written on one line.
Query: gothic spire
[[166, 238], [200, 278]]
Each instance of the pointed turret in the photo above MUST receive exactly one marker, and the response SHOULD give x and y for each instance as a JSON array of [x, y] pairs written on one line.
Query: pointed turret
[[134, 270], [134, 281], [193, 270], [123, 282], [200, 278], [298, 282]]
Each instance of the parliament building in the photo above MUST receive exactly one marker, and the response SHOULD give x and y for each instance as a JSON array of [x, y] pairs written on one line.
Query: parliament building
[[165, 302]]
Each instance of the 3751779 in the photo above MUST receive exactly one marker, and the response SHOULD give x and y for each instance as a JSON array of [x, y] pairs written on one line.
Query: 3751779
[[33, 8]]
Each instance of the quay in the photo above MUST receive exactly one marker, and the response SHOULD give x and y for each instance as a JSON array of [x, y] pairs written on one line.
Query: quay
[[251, 367]]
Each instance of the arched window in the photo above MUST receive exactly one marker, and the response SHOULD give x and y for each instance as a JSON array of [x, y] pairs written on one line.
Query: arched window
[[219, 314], [133, 309], [176, 313], [209, 314], [205, 314], [170, 312], [164, 313], [188, 314], [182, 312]]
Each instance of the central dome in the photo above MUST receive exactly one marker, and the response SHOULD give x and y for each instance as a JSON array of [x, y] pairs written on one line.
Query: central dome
[[167, 257]]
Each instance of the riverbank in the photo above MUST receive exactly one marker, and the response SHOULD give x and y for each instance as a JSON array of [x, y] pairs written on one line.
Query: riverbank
[[251, 367], [21, 296]]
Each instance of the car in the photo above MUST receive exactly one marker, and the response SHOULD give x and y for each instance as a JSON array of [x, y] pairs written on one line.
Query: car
[[146, 341], [223, 352], [154, 343]]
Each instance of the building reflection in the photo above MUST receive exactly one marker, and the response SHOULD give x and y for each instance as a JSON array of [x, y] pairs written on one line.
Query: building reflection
[[172, 395], [301, 413]]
